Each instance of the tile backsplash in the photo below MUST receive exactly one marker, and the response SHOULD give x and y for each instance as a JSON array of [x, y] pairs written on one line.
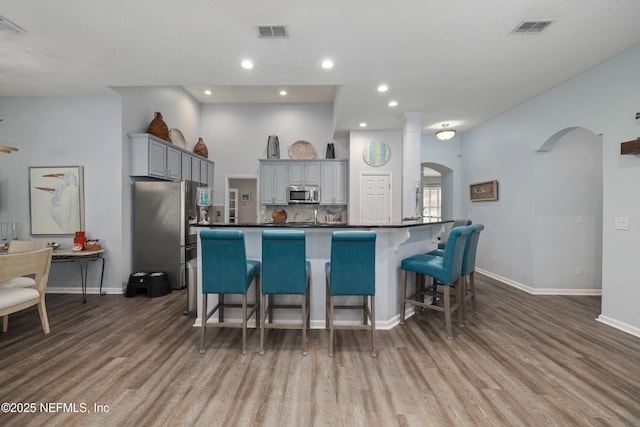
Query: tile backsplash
[[305, 213]]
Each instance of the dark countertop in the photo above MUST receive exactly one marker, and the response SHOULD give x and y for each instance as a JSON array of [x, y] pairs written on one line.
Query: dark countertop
[[398, 224]]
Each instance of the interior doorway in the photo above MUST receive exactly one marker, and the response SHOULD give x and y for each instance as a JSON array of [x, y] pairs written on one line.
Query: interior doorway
[[241, 205], [375, 198], [437, 186]]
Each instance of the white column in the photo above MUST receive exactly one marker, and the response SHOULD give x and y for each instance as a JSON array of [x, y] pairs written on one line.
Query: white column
[[411, 138]]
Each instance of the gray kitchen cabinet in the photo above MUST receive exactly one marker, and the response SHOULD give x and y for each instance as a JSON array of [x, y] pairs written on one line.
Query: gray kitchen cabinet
[[274, 178], [154, 157], [186, 166], [196, 169], [151, 156], [304, 173], [335, 183], [210, 168]]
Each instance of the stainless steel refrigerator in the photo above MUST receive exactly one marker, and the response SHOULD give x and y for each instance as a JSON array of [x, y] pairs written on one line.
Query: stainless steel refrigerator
[[163, 239]]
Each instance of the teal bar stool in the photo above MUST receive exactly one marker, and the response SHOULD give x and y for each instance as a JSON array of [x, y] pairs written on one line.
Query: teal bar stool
[[285, 271], [226, 270], [456, 223], [468, 267], [352, 271], [446, 270]]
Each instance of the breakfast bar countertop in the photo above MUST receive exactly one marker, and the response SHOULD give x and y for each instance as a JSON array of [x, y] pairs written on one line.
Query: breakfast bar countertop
[[396, 224], [394, 242]]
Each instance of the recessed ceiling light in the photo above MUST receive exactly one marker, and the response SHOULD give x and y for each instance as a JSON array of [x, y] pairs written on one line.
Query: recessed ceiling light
[[247, 64], [327, 64], [283, 92], [363, 125], [393, 103], [207, 92], [383, 88]]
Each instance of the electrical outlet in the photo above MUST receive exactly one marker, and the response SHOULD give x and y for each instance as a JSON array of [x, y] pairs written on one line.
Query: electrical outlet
[[68, 268], [579, 219], [493, 257], [579, 270], [622, 223]]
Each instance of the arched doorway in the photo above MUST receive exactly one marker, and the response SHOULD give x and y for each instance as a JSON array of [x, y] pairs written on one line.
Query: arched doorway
[[437, 178], [567, 203]]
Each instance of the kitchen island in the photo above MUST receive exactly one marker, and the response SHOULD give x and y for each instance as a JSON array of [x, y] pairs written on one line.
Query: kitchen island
[[394, 242]]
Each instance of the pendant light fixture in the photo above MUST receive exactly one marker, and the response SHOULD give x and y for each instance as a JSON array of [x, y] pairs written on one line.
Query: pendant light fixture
[[445, 134]]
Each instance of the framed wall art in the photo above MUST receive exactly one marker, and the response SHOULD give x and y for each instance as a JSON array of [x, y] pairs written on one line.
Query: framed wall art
[[245, 197], [482, 191], [56, 199]]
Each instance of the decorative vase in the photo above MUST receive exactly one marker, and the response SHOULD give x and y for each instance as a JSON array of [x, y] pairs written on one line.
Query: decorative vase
[[80, 239], [331, 151], [273, 147], [158, 127], [201, 149]]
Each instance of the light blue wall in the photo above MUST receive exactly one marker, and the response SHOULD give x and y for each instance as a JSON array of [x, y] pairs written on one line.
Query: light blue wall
[[603, 100], [67, 131]]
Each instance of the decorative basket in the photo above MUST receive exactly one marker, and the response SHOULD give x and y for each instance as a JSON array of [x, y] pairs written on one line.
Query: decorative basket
[[158, 127], [201, 149], [279, 216]]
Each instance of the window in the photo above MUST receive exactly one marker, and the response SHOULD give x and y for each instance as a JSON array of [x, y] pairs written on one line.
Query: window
[[432, 201]]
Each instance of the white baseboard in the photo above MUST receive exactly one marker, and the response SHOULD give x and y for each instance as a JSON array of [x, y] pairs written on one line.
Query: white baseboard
[[539, 291], [624, 327], [90, 291]]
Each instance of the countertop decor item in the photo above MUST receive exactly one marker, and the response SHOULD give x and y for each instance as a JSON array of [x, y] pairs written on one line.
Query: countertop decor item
[[158, 127], [201, 149], [302, 150], [279, 216], [177, 138]]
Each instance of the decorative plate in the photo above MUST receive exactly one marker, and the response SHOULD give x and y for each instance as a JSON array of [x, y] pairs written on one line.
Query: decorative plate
[[376, 153], [177, 138], [302, 150]]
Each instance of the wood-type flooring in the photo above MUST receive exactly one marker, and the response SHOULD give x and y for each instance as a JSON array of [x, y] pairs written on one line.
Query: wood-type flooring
[[524, 360]]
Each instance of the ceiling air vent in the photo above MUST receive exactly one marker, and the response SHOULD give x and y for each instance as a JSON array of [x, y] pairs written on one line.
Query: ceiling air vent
[[272, 31], [531, 26]]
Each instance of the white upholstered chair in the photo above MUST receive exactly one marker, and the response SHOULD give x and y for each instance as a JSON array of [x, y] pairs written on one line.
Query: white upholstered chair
[[35, 264]]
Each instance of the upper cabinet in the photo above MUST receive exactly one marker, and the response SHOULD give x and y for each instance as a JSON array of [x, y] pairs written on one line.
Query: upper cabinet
[[274, 178], [334, 186], [154, 157], [332, 176], [304, 173]]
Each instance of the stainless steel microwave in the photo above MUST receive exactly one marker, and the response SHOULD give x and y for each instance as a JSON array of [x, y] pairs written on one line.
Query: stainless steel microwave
[[299, 194]]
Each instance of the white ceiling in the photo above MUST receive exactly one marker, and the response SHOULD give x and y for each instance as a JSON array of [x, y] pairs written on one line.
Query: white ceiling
[[451, 61]]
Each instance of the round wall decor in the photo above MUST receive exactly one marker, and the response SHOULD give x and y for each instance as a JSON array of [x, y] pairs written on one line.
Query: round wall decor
[[376, 153]]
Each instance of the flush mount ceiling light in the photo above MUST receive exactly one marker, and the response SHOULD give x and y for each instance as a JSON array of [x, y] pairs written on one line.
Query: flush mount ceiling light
[[247, 64], [445, 134], [383, 88], [327, 64], [283, 92], [363, 125], [393, 103], [207, 92]]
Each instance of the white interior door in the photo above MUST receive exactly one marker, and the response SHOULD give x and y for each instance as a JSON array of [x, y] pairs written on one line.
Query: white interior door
[[375, 199]]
